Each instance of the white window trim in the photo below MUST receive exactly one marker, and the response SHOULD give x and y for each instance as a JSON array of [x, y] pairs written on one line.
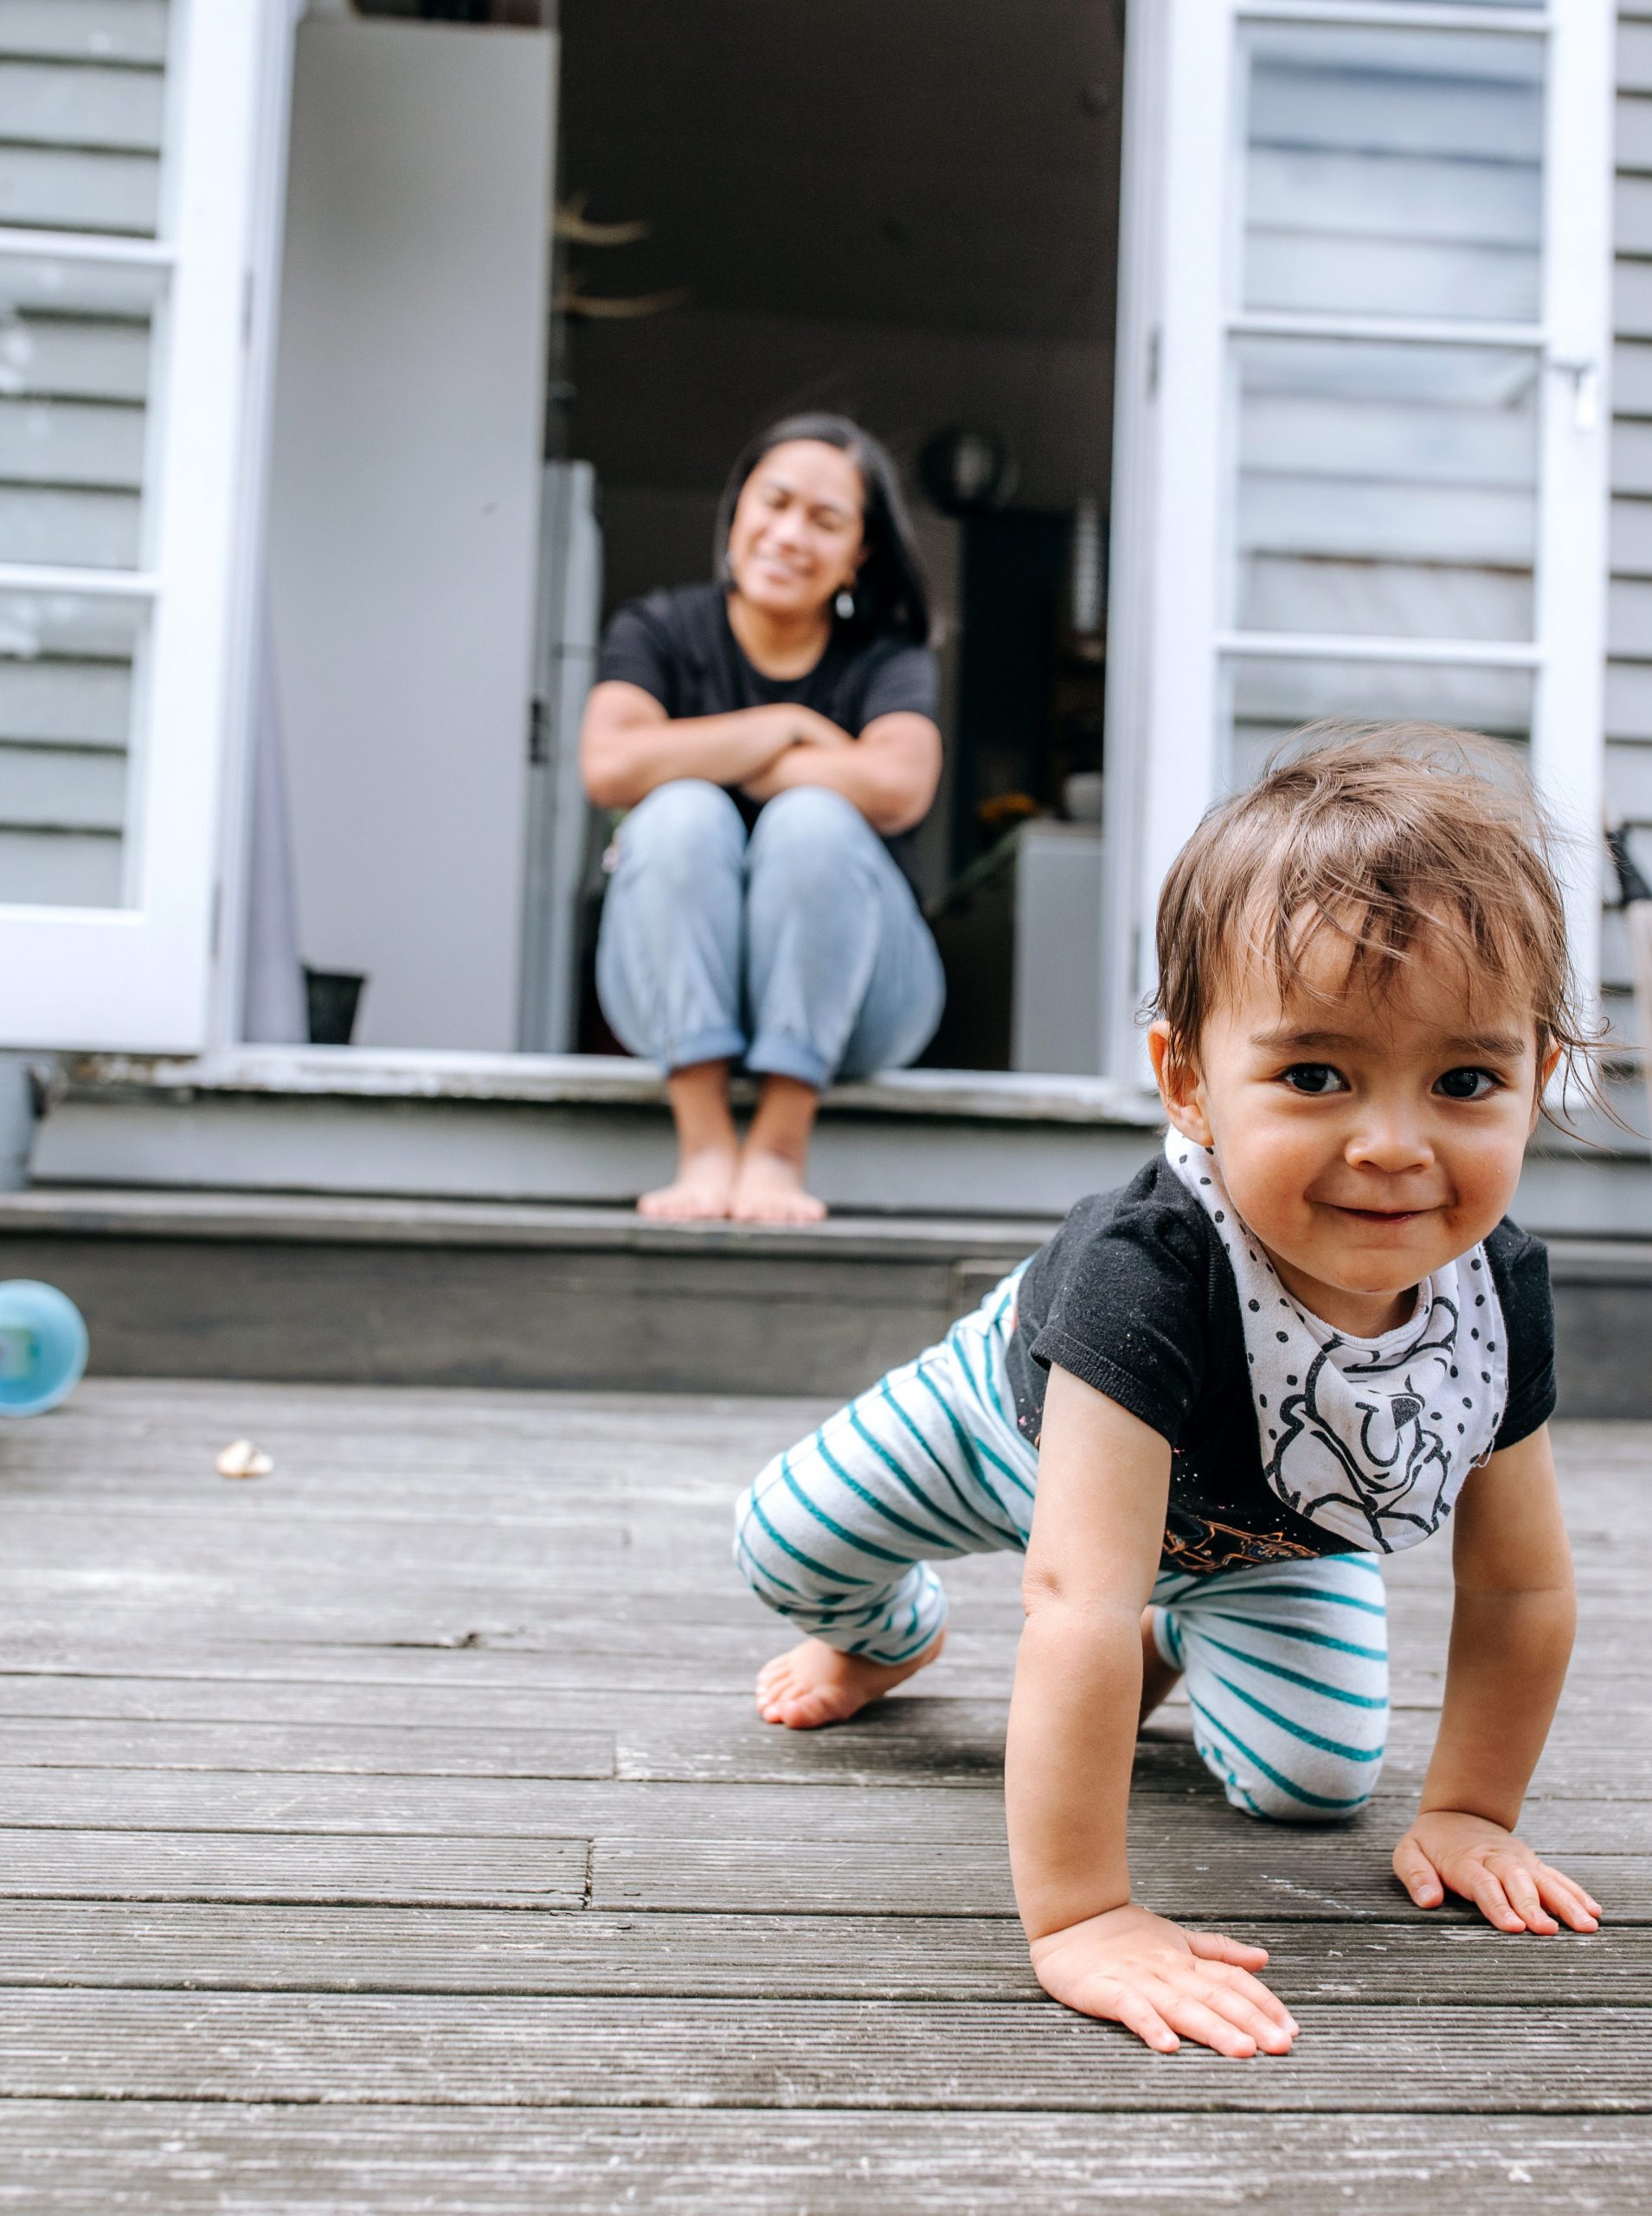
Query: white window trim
[[1175, 321], [138, 976]]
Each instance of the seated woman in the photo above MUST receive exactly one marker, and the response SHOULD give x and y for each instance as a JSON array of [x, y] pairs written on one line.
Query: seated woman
[[773, 738]]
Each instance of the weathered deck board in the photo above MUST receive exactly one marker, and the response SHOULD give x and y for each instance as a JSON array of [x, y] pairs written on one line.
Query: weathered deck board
[[394, 1834], [614, 2052], [269, 2160], [540, 1948]]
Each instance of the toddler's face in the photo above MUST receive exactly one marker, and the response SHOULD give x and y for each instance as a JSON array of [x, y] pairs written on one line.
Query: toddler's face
[[1366, 1138]]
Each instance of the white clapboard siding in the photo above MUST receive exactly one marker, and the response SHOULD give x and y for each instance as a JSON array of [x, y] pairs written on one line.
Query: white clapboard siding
[[1631, 450], [63, 788], [1401, 520], [69, 528], [1368, 436], [1629, 670], [65, 702], [1377, 196], [1634, 50], [1629, 702], [1446, 118], [1283, 693], [1632, 374], [1616, 964], [1385, 490], [81, 93], [69, 357], [1629, 620], [1312, 272], [60, 870], [130, 31], [1631, 538], [1384, 599], [70, 188], [1391, 174], [1632, 299], [48, 104], [71, 442]]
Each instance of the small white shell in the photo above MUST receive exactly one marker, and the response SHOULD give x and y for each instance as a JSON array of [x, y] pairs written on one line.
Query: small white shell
[[243, 1459]]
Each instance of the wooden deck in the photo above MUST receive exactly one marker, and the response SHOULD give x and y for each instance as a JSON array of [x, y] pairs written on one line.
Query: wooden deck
[[394, 1833]]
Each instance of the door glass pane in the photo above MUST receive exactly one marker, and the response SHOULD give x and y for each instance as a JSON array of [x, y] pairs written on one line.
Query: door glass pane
[[75, 349], [1263, 698], [1391, 172], [66, 689], [1385, 489], [81, 98]]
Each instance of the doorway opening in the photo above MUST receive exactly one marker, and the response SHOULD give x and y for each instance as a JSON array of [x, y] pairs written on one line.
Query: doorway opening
[[910, 216], [493, 428]]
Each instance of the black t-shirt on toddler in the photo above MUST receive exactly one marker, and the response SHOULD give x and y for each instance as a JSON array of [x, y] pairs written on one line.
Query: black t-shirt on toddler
[[678, 646], [1135, 1296]]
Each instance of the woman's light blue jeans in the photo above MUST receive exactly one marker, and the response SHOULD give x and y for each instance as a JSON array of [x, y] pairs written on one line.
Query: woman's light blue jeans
[[799, 951]]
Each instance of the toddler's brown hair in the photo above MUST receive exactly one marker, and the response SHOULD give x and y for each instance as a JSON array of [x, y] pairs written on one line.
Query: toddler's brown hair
[[1394, 836]]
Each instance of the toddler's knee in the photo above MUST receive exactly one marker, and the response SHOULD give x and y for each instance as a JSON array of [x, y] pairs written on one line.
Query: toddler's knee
[[1319, 1787]]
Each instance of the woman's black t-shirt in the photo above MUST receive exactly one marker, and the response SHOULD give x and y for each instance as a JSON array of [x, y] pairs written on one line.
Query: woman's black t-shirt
[[1135, 1296], [678, 647]]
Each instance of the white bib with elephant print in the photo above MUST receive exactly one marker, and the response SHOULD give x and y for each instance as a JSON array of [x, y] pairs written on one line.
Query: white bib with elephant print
[[1370, 1439]]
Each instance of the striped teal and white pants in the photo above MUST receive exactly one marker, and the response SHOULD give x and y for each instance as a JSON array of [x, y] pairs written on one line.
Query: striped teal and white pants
[[1286, 1664]]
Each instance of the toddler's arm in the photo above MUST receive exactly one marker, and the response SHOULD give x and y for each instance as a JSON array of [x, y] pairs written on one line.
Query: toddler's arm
[[1098, 1525], [1511, 1636]]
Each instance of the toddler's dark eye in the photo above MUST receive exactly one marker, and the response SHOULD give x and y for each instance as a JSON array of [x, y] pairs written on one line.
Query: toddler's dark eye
[[1313, 1078], [1467, 1084]]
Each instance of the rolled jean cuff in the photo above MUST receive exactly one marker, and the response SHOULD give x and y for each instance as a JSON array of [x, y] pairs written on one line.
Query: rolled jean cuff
[[773, 1054], [721, 1043]]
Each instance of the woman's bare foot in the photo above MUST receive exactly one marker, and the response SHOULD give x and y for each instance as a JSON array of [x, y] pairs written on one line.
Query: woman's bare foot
[[813, 1684], [708, 1147], [701, 1191], [769, 1188]]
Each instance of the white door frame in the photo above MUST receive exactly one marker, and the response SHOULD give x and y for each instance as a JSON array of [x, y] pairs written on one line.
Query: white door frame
[[139, 977], [1178, 306]]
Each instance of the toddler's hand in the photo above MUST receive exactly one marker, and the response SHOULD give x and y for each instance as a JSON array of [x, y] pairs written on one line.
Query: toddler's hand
[[1489, 1866], [1158, 1979]]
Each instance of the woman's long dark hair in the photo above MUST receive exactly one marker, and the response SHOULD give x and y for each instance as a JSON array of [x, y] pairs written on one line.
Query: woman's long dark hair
[[891, 592]]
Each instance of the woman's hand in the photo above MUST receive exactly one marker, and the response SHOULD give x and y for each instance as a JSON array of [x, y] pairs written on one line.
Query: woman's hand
[[797, 727], [1159, 1980], [628, 745], [1447, 1850]]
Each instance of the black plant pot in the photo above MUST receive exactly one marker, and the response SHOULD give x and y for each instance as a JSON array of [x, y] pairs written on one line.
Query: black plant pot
[[332, 997]]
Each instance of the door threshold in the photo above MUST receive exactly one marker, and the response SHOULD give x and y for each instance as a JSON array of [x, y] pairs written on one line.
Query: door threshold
[[600, 1080]]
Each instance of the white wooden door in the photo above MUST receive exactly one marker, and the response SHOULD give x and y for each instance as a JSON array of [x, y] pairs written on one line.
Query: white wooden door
[[1361, 431], [130, 141]]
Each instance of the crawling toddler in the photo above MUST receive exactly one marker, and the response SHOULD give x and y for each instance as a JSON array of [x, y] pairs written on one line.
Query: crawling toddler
[[1303, 1338]]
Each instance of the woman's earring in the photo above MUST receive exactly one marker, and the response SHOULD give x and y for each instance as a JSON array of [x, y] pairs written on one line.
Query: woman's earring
[[844, 604]]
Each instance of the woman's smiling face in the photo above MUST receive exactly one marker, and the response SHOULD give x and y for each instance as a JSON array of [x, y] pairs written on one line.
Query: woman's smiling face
[[1367, 1137], [795, 540]]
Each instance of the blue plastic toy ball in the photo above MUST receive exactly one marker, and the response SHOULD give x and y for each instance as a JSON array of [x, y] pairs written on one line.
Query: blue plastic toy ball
[[43, 1347]]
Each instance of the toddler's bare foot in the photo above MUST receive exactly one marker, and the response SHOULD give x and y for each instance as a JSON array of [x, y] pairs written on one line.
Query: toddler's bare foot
[[700, 1191], [769, 1188], [813, 1684]]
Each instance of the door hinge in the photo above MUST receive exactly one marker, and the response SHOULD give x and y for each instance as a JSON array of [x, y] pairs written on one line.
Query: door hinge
[[538, 734]]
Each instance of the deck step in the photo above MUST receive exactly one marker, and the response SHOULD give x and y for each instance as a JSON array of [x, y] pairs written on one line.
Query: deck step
[[578, 1129], [374, 1290]]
